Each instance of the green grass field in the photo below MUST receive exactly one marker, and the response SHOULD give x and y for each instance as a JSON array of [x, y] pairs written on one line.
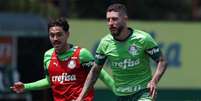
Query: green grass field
[[87, 32]]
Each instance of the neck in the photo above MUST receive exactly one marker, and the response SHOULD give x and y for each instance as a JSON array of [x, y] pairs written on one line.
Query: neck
[[64, 49], [124, 34]]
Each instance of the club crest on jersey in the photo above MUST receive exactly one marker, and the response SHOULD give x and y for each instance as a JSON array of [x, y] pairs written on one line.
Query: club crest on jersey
[[71, 64], [133, 50]]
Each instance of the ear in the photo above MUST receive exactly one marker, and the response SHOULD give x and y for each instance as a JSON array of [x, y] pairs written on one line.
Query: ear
[[67, 33], [125, 17]]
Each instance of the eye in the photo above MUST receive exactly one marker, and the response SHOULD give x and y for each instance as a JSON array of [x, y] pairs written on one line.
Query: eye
[[51, 34], [108, 19], [59, 34], [114, 19]]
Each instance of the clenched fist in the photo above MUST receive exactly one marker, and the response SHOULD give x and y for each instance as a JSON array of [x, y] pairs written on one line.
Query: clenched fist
[[18, 87]]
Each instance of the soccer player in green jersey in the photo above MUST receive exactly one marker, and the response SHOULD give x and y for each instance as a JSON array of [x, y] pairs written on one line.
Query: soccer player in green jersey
[[127, 51], [66, 67]]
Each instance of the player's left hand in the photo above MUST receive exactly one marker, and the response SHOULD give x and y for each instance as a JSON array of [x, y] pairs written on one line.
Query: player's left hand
[[152, 85]]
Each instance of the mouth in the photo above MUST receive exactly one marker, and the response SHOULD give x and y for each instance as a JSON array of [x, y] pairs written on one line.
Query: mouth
[[56, 44], [113, 29]]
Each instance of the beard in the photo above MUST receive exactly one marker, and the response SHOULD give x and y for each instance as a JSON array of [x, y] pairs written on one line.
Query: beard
[[117, 31]]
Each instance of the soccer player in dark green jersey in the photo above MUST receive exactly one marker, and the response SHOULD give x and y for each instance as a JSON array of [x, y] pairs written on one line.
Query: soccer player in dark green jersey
[[66, 67], [127, 51]]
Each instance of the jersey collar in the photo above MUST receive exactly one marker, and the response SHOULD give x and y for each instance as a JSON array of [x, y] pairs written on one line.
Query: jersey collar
[[130, 33]]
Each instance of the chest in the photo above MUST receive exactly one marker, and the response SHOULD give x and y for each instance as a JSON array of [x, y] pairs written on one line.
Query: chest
[[69, 66], [125, 50]]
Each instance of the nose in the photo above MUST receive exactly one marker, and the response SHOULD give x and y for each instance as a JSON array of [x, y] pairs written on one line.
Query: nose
[[110, 22], [55, 37]]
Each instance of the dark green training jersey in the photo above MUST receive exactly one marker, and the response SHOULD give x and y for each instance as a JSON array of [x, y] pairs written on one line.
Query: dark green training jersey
[[129, 60]]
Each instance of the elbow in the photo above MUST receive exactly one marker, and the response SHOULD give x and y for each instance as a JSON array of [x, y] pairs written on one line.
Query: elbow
[[163, 62], [96, 69]]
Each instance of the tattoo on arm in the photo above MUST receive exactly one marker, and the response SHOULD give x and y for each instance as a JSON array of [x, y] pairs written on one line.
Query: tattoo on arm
[[95, 71], [161, 68], [91, 78]]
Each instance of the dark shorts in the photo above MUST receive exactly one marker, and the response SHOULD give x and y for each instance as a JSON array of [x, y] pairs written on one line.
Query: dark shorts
[[142, 95]]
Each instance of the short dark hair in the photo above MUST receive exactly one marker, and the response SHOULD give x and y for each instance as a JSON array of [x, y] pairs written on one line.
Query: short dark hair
[[62, 22], [117, 7]]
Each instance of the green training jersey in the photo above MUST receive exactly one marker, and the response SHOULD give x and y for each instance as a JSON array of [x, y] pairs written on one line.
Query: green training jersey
[[129, 60], [86, 60]]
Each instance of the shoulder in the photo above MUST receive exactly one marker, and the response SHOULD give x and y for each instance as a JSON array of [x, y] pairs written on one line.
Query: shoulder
[[47, 57], [142, 36], [49, 52], [84, 50], [106, 40], [85, 55]]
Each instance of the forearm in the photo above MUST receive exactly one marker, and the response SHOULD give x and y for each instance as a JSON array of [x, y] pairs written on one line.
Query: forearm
[[91, 79], [107, 79], [161, 67], [40, 84]]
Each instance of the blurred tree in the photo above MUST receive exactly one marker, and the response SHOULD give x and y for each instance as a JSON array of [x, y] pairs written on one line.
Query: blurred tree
[[90, 8], [137, 9], [30, 6], [196, 9], [159, 9], [62, 6]]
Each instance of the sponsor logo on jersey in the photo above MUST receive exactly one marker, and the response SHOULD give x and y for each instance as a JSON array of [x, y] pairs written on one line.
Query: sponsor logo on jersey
[[55, 64], [99, 56], [71, 64], [64, 77], [153, 51], [129, 89], [126, 63], [88, 64], [133, 50]]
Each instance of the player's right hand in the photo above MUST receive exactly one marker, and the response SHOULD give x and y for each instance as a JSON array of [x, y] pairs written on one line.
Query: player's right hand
[[18, 87]]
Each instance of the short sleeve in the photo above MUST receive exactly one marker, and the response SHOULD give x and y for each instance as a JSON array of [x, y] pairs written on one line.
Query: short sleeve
[[46, 60], [152, 48], [100, 56], [86, 58]]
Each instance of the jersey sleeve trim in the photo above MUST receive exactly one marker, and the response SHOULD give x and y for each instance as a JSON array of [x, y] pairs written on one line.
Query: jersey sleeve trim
[[100, 59], [154, 53]]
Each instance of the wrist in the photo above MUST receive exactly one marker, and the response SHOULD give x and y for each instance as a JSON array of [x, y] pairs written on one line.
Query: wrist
[[26, 86], [154, 81]]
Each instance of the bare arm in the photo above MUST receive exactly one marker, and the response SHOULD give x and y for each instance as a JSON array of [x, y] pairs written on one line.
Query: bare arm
[[90, 81], [161, 67]]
